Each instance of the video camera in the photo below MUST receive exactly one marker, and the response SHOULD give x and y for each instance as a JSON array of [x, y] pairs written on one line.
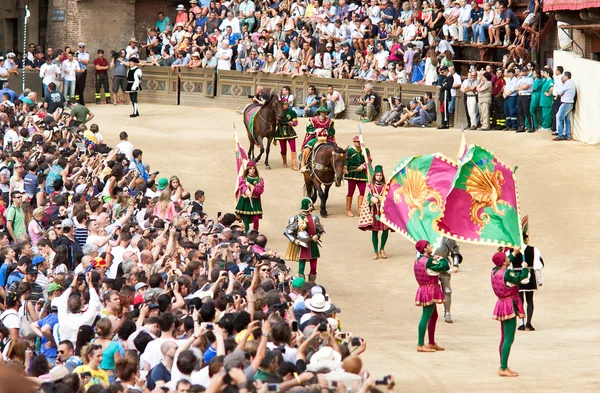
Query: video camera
[[114, 54]]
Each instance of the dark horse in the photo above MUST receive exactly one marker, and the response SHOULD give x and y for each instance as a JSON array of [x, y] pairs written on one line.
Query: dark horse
[[327, 167], [264, 126]]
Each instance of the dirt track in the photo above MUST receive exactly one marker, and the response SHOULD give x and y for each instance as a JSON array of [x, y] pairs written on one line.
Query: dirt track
[[558, 187]]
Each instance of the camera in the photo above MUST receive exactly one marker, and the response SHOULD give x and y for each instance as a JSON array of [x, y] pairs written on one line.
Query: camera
[[114, 54], [355, 341], [195, 218], [322, 327], [153, 306], [382, 381]]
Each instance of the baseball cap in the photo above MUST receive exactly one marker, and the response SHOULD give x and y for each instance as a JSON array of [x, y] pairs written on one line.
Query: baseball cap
[[31, 269], [67, 222], [1, 58], [58, 373], [298, 282], [140, 285], [53, 287], [443, 68], [138, 299], [316, 290], [162, 183], [37, 260]]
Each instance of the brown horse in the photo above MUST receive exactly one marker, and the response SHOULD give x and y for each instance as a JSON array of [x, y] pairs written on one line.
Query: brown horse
[[327, 168], [264, 126]]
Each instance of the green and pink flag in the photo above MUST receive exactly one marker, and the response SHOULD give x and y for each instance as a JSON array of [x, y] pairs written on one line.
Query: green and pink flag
[[415, 196], [482, 205]]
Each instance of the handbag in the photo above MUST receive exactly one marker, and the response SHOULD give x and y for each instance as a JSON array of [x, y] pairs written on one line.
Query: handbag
[[26, 321]]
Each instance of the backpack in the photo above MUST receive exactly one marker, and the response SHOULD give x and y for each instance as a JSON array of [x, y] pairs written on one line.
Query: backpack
[[26, 321], [9, 269]]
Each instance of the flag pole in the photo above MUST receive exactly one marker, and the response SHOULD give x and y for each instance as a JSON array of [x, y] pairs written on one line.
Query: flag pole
[[27, 14], [363, 149]]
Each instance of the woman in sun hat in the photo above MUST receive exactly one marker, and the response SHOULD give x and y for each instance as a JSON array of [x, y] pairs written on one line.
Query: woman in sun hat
[[250, 188]]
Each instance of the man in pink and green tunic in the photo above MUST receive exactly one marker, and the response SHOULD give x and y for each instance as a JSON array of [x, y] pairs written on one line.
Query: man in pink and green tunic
[[505, 284], [427, 268]]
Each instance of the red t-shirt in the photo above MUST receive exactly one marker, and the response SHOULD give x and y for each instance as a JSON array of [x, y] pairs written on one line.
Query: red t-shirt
[[102, 62]]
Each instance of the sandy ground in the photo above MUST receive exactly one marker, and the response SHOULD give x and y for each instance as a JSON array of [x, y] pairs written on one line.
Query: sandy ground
[[558, 187]]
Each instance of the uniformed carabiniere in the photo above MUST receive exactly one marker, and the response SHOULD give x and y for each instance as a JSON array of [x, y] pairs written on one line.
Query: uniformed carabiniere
[[445, 97], [84, 59]]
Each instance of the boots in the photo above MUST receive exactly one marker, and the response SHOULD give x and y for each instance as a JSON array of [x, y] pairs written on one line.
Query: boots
[[360, 202], [312, 277], [97, 101], [294, 160], [349, 207], [284, 158], [305, 154]]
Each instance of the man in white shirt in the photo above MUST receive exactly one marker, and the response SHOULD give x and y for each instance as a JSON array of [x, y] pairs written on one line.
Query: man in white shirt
[[463, 19], [69, 71], [381, 56], [335, 102], [10, 136], [232, 21], [457, 84], [224, 56], [49, 73], [3, 71], [125, 146], [70, 314]]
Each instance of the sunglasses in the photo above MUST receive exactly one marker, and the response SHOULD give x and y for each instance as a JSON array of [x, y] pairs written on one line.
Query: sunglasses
[[61, 352], [265, 270]]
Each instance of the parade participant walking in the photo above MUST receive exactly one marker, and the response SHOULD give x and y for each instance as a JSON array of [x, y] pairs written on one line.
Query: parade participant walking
[[304, 231], [448, 249], [426, 268], [286, 135], [508, 306], [250, 186], [134, 84], [369, 213], [356, 172], [533, 257], [315, 124]]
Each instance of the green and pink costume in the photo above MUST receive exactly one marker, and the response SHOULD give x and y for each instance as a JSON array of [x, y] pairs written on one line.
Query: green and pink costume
[[505, 284], [429, 293]]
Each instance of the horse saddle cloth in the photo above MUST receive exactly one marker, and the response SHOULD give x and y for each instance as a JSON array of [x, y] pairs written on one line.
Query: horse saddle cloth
[[250, 116]]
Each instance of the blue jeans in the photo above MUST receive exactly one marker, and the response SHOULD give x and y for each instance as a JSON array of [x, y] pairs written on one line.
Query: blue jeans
[[310, 112], [511, 112], [69, 89], [479, 34], [331, 107], [466, 32], [45, 89], [563, 120], [452, 104], [425, 116]]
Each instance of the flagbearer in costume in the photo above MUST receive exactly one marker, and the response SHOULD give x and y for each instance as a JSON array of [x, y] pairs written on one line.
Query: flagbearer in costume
[[286, 134], [355, 171], [304, 232], [533, 257], [427, 268], [508, 307], [369, 213], [316, 124], [250, 187]]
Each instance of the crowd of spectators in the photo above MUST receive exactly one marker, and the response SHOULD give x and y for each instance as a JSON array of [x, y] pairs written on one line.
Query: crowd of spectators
[[115, 279]]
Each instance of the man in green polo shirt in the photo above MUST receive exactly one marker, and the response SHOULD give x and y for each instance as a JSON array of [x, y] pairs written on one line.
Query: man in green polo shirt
[[15, 219], [79, 112]]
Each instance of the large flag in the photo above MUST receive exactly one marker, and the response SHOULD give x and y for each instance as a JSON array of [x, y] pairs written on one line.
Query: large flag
[[482, 206], [241, 159], [415, 196]]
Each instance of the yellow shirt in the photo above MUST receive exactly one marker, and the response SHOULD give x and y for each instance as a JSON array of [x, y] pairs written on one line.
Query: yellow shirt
[[90, 136], [98, 376]]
